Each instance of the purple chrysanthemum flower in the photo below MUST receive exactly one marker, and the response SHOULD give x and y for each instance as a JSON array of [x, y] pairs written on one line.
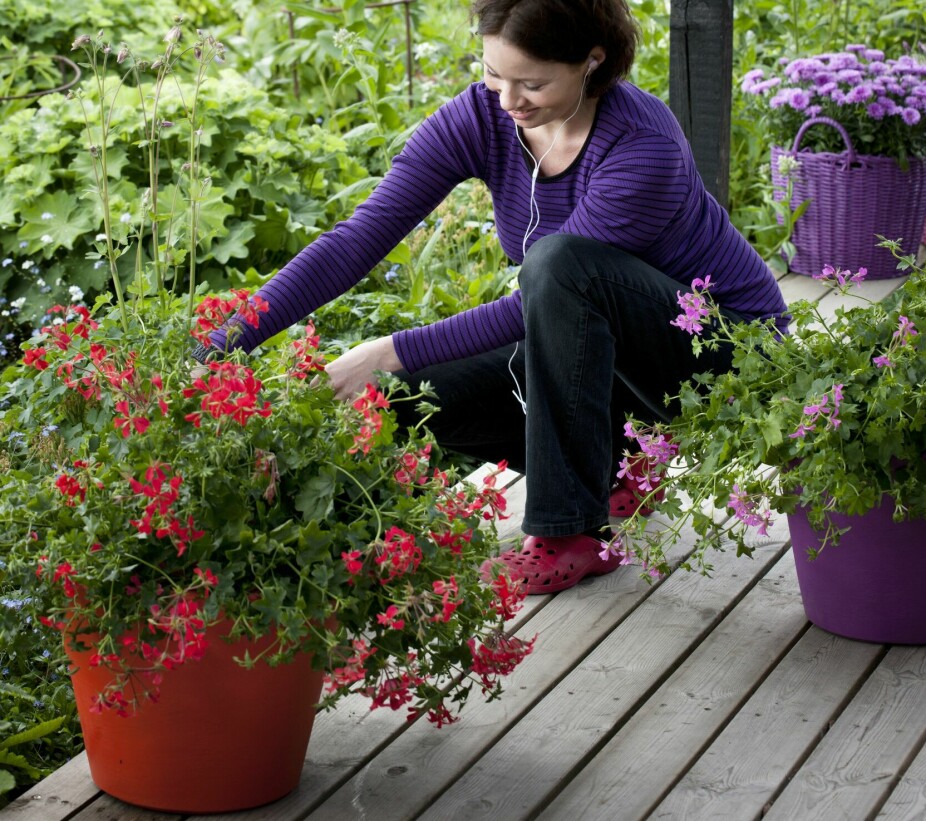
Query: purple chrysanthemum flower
[[800, 99], [779, 99], [876, 111], [910, 116], [860, 93], [765, 85], [850, 76], [750, 80]]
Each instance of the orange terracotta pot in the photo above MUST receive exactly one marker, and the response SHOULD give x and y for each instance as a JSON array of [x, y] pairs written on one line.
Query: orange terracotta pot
[[220, 738]]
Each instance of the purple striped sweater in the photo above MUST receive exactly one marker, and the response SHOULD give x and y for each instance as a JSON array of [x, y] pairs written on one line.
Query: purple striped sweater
[[634, 186]]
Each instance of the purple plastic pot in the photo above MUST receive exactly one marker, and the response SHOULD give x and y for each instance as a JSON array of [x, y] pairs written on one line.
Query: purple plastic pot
[[872, 585]]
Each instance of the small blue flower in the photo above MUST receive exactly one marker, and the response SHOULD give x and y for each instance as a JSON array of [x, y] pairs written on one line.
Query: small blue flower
[[486, 227], [49, 429], [6, 261], [392, 274]]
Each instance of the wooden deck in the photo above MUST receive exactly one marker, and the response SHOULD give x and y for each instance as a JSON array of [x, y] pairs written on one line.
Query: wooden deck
[[694, 698]]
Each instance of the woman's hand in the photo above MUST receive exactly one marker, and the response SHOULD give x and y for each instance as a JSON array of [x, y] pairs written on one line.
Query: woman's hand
[[350, 372]]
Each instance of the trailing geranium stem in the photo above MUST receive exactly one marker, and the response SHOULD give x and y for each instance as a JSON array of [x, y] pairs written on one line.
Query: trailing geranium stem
[[363, 490]]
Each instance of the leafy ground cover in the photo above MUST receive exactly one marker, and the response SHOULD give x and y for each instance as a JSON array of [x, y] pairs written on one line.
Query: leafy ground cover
[[301, 120]]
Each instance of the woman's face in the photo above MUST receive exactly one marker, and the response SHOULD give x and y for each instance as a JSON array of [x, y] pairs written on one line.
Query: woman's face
[[534, 92]]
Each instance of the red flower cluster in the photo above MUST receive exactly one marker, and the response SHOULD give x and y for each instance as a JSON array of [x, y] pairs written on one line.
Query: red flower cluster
[[450, 600], [453, 541], [183, 639], [73, 487], [368, 405], [498, 657], [413, 468], [231, 390], [306, 359], [36, 358], [64, 574], [353, 669], [213, 312], [397, 554], [510, 596], [490, 501], [159, 516], [390, 618]]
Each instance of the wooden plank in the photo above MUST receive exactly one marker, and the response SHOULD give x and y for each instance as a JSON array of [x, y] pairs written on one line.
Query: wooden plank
[[630, 773], [107, 808], [853, 769], [414, 769], [54, 798], [518, 775], [909, 797], [700, 84], [737, 778]]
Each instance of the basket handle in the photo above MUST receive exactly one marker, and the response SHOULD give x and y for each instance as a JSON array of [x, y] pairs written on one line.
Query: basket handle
[[850, 149]]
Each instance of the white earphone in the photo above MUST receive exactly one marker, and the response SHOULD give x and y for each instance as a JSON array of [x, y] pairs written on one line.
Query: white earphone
[[532, 225]]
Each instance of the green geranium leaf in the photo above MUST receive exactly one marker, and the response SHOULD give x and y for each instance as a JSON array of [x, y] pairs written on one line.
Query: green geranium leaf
[[54, 221], [771, 430], [234, 244], [315, 499]]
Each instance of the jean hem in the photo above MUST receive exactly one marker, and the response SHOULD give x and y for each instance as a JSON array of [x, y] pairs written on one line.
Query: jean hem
[[563, 528]]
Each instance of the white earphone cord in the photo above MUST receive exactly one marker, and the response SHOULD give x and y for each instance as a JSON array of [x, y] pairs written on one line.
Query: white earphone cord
[[531, 225]]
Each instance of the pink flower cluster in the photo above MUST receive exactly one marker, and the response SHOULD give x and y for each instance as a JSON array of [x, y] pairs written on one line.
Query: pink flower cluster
[[840, 277], [902, 338], [695, 306], [746, 509], [825, 408], [645, 466]]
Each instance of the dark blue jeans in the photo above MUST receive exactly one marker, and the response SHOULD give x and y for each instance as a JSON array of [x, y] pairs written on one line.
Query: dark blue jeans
[[598, 346]]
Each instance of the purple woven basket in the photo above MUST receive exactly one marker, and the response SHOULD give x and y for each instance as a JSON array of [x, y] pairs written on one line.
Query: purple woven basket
[[853, 198]]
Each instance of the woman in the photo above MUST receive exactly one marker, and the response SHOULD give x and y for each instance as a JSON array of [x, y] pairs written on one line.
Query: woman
[[596, 194]]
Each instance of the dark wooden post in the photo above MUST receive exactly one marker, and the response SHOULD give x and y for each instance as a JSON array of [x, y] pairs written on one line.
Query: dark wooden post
[[700, 84]]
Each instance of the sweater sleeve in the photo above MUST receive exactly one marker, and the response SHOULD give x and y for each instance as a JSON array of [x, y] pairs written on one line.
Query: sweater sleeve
[[447, 148], [468, 333]]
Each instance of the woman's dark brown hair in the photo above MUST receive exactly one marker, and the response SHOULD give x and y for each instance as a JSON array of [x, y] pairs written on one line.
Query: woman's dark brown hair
[[565, 31]]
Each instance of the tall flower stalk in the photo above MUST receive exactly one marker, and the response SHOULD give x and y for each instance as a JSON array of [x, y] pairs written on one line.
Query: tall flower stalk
[[205, 51]]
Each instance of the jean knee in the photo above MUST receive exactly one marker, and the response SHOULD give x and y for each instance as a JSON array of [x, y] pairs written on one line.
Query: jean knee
[[553, 265]]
